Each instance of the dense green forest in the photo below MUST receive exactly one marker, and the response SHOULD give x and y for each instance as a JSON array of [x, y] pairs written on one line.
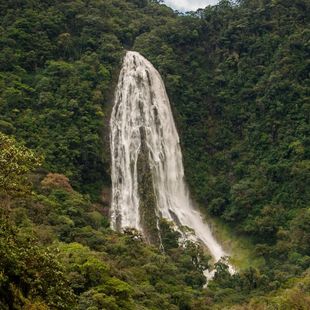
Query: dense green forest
[[237, 75]]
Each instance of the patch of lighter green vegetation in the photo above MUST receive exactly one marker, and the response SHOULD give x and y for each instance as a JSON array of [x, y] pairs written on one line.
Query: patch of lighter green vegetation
[[240, 248]]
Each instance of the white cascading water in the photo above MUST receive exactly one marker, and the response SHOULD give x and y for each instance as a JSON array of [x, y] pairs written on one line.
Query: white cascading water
[[141, 101]]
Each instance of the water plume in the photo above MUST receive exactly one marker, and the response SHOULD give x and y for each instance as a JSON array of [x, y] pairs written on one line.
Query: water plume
[[147, 170]]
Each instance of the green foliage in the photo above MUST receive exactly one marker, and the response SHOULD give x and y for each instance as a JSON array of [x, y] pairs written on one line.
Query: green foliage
[[15, 162], [169, 236], [56, 66], [90, 278], [29, 273]]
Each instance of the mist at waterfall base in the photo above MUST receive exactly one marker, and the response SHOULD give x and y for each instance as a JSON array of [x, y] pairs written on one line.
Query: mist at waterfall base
[[142, 116]]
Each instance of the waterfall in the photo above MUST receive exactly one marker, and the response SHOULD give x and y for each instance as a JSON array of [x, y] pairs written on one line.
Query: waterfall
[[145, 149]]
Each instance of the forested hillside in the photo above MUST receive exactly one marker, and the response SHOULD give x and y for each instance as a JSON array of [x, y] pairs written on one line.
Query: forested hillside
[[238, 79]]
